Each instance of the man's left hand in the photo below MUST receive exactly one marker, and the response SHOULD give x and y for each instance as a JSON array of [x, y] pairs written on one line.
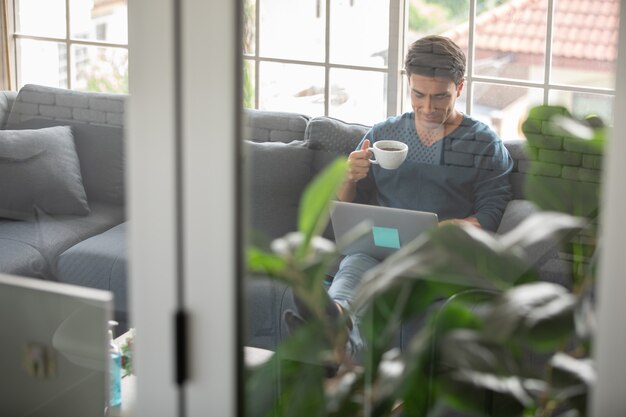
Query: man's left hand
[[471, 220]]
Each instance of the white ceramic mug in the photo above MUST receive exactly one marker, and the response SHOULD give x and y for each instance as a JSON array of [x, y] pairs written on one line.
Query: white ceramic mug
[[389, 154]]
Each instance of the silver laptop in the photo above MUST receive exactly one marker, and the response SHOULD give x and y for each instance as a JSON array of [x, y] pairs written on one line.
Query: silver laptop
[[54, 351], [388, 229]]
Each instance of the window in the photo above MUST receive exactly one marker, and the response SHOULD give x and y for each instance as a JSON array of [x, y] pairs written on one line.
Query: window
[[320, 57], [344, 58], [75, 44]]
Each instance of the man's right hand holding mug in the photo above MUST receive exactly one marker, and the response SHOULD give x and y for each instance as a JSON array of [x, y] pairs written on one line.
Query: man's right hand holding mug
[[358, 167]]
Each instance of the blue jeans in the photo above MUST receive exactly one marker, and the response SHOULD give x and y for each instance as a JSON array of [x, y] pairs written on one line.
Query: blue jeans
[[342, 290]]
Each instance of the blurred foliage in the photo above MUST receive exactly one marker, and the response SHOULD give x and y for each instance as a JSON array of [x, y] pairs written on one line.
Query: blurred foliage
[[494, 340]]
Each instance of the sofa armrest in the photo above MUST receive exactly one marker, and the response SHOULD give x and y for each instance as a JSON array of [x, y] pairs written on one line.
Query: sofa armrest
[[7, 98]]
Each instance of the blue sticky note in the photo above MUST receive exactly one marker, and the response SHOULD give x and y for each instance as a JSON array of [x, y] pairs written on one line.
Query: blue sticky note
[[386, 237]]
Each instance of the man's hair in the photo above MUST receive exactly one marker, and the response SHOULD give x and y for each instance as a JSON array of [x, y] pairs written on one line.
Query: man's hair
[[437, 57]]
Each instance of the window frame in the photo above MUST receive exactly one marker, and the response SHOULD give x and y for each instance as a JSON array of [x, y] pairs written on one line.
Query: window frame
[[546, 85], [393, 70], [398, 25], [15, 36]]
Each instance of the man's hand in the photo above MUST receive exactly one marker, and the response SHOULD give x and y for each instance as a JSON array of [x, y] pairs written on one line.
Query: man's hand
[[358, 167], [359, 162], [468, 220]]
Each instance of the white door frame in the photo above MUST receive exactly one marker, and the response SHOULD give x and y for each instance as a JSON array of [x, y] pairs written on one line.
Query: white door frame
[[182, 201], [609, 397]]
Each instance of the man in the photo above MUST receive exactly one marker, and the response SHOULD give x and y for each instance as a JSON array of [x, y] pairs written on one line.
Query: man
[[456, 167]]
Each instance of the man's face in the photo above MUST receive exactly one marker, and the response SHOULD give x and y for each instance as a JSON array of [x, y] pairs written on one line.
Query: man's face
[[432, 100]]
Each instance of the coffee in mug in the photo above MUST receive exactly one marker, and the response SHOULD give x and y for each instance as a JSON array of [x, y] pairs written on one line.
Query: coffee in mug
[[389, 154]]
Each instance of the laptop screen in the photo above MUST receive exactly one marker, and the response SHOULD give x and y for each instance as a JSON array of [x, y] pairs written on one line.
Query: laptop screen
[[54, 352], [388, 229]]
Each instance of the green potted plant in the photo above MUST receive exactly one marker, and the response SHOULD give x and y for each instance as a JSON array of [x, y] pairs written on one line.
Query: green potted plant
[[484, 310]]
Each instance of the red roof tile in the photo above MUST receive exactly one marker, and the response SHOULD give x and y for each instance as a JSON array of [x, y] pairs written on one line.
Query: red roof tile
[[583, 29]]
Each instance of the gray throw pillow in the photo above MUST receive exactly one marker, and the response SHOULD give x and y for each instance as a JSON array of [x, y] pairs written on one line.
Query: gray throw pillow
[[39, 170], [332, 138], [100, 151], [333, 135]]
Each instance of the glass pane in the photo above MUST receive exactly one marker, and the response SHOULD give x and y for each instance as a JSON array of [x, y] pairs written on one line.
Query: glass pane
[[585, 104], [438, 17], [349, 17], [99, 69], [43, 63], [510, 41], [584, 49], [41, 17], [249, 28], [248, 84], [292, 88], [358, 96], [504, 108], [100, 20], [293, 29]]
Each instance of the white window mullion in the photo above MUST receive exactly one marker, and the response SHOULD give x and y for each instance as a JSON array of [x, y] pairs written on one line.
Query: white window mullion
[[11, 50], [394, 61], [257, 53], [327, 61], [548, 60], [68, 60], [470, 58]]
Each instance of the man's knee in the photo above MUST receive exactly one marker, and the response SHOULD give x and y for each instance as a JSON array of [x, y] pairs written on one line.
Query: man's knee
[[358, 261]]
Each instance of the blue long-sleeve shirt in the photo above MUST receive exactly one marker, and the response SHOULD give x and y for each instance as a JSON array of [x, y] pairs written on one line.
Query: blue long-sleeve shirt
[[464, 174]]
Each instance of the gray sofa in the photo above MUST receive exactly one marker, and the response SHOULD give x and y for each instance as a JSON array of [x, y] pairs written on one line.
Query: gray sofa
[[287, 150], [284, 151], [53, 242]]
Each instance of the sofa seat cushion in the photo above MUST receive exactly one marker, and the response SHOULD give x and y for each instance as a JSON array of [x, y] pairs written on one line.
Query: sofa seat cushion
[[276, 175], [19, 258], [39, 170], [49, 236], [265, 302], [98, 262]]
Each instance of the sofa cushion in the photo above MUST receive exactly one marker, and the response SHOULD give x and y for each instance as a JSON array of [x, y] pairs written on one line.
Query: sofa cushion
[[276, 175], [332, 137], [19, 258], [273, 126], [98, 262], [48, 236], [7, 98], [39, 170], [100, 151]]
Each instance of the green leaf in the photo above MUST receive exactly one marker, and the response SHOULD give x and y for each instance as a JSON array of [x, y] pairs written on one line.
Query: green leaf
[[476, 257], [313, 215], [458, 312], [567, 370], [541, 229], [291, 383], [550, 325], [469, 350], [510, 311], [263, 262], [572, 379], [476, 392], [557, 180]]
